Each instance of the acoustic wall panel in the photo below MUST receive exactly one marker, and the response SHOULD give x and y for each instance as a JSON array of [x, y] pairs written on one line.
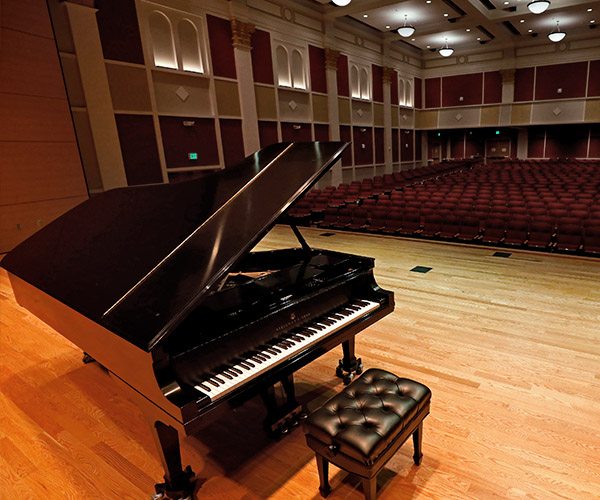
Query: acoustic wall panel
[[295, 132], [379, 145], [462, 90], [536, 140], [320, 108], [318, 79], [492, 87], [179, 140], [394, 88], [567, 141], [182, 94], [119, 30], [342, 76], [524, 84], [321, 132], [128, 87], [594, 79], [346, 136], [432, 92], [233, 141], [395, 150], [228, 99], [268, 133], [262, 61], [406, 145], [221, 48], [266, 106], [139, 149], [594, 149], [561, 81], [363, 145], [377, 72]]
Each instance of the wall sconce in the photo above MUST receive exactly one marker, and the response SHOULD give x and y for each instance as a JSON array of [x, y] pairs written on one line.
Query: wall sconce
[[188, 123], [296, 127], [363, 129]]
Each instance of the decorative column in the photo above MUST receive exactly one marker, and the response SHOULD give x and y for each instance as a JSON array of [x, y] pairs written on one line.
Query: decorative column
[[242, 47], [508, 95], [90, 58], [331, 59], [387, 118]]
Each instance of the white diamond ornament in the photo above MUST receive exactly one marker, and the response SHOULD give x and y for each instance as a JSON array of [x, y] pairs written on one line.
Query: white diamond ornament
[[182, 93]]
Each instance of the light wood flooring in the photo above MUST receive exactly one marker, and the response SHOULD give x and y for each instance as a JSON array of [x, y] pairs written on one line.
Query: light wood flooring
[[510, 348]]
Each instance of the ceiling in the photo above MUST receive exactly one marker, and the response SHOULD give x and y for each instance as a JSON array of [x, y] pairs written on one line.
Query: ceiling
[[469, 24]]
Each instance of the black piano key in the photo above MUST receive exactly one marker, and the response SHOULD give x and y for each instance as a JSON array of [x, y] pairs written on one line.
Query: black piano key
[[212, 382], [337, 316], [327, 322], [219, 380], [237, 370], [231, 372], [204, 387], [226, 375]]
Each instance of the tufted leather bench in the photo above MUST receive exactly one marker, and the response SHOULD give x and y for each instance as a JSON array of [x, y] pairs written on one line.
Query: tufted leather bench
[[361, 428]]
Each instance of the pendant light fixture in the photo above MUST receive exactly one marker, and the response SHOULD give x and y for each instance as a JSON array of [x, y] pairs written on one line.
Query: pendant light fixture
[[556, 35], [406, 30], [341, 3], [538, 6], [446, 51]]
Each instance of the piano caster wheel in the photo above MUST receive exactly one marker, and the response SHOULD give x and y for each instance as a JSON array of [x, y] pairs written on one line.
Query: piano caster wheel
[[157, 496], [87, 359], [339, 372], [293, 422], [347, 378], [302, 416], [283, 431]]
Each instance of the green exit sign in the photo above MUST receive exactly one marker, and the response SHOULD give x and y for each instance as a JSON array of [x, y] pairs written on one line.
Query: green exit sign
[[193, 156], [497, 132]]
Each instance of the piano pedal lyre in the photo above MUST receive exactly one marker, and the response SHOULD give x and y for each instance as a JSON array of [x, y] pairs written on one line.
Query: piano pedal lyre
[[282, 417], [349, 365]]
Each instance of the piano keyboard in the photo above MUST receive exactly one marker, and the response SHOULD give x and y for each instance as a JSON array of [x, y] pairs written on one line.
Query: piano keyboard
[[252, 364]]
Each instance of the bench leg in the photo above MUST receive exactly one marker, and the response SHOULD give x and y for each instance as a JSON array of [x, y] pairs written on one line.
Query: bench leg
[[323, 467], [417, 441], [370, 488]]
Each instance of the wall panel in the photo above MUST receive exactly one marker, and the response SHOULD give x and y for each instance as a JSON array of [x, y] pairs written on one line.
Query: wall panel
[[119, 30], [318, 79], [342, 76], [295, 132], [492, 87], [418, 90], [524, 84], [462, 90], [377, 72], [406, 145], [561, 81], [594, 79], [179, 140], [363, 145], [233, 141], [432, 92], [262, 61], [268, 133], [221, 48], [379, 145]]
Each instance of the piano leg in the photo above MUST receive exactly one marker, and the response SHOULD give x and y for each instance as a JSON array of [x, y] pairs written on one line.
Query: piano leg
[[350, 365], [280, 417], [178, 483]]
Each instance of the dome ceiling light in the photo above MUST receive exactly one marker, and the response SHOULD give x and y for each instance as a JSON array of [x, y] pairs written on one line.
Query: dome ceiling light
[[556, 35], [446, 51], [341, 3], [406, 30], [538, 6]]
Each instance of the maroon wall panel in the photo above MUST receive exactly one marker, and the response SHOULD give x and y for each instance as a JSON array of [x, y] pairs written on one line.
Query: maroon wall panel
[[594, 79], [318, 79], [570, 77], [395, 152], [432, 92], [469, 87], [594, 142], [524, 84], [119, 30], [363, 155], [535, 142], [474, 145], [567, 141], [377, 82], [394, 87], [321, 132], [406, 145], [289, 132], [262, 62], [233, 141], [342, 76], [268, 133], [418, 145], [457, 144], [492, 87], [418, 93], [178, 141], [346, 136], [139, 149], [379, 145], [221, 48]]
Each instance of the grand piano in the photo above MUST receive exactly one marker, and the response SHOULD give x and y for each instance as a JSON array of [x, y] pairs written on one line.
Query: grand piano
[[159, 284]]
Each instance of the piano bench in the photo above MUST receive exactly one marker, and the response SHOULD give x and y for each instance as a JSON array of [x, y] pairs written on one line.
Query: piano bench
[[361, 428]]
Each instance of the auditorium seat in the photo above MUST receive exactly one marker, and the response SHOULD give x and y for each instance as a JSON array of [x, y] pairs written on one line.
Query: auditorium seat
[[411, 225], [516, 232], [569, 238], [540, 234], [344, 219], [450, 228], [393, 223], [360, 219], [432, 225], [469, 229], [330, 217], [591, 240], [493, 231], [377, 221]]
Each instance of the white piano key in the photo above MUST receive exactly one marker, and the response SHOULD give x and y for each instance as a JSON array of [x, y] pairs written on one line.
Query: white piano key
[[355, 311]]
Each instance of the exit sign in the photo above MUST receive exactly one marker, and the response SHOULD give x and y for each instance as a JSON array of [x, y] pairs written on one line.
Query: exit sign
[[193, 156]]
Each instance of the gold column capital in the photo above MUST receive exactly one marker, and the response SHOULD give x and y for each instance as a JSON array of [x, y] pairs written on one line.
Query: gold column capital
[[331, 58], [387, 74], [242, 33]]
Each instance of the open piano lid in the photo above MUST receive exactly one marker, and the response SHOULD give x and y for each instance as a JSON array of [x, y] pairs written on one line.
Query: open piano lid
[[137, 260]]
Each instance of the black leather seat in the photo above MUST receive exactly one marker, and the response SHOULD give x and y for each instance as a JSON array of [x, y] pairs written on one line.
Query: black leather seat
[[362, 427]]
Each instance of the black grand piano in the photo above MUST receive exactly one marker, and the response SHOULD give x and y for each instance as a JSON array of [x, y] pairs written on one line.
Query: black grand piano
[[159, 285]]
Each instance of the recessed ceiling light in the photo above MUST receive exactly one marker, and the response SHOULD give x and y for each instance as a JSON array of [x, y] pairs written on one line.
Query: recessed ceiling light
[[478, 38], [529, 31], [413, 39], [388, 27], [589, 10], [445, 15], [365, 15], [506, 3], [522, 21], [429, 46], [468, 29], [593, 21], [428, 1]]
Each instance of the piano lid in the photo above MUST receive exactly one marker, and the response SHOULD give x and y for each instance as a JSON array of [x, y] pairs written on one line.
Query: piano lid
[[138, 259]]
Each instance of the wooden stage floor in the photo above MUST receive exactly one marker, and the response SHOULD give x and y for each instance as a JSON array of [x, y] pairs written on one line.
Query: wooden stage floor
[[510, 348]]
